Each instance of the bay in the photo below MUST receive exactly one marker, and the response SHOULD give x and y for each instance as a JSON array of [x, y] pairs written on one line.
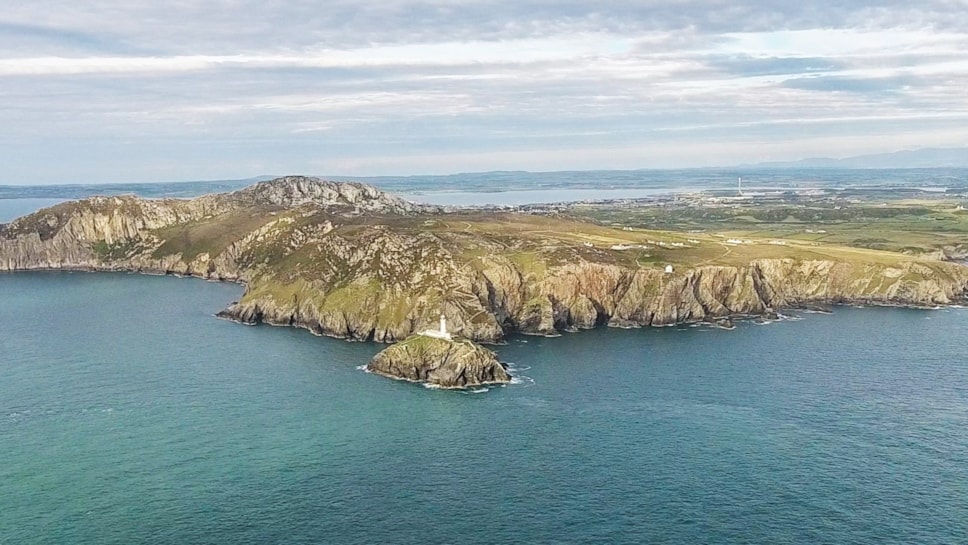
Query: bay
[[520, 188], [129, 414]]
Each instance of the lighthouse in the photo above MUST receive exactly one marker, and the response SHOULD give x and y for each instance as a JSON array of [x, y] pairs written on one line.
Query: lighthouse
[[439, 333]]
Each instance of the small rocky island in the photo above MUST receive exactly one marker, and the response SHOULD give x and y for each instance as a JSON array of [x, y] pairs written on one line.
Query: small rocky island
[[436, 358]]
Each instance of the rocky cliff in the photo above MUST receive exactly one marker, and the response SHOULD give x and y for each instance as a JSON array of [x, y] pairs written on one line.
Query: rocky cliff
[[203, 236], [443, 363], [349, 261], [486, 305]]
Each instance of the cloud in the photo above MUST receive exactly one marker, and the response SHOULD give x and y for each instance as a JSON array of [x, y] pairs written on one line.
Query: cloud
[[865, 86], [437, 54], [22, 38], [745, 65], [288, 85]]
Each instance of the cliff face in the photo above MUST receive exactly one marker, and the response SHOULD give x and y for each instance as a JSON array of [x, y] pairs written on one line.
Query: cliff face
[[484, 306], [443, 363], [349, 261], [71, 234]]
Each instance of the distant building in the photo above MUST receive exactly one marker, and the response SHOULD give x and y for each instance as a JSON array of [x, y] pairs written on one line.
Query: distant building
[[668, 269]]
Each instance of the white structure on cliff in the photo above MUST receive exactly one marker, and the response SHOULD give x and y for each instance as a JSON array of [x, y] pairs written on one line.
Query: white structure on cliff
[[441, 333]]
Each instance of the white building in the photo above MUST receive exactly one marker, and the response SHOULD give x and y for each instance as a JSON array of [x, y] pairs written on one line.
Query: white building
[[668, 269], [441, 333]]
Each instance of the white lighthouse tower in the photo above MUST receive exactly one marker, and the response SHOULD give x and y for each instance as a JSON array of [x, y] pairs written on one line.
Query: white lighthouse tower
[[440, 333], [443, 327]]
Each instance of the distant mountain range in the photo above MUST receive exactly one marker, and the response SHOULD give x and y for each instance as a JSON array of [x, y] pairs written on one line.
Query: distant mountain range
[[919, 158]]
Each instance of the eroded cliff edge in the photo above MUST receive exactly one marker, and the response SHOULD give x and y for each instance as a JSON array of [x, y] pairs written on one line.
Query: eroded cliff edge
[[348, 260]]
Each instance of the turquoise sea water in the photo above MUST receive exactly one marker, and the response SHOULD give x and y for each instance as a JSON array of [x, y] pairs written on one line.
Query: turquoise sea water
[[128, 414]]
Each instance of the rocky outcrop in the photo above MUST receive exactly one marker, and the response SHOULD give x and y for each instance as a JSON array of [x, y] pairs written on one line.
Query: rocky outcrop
[[442, 363], [291, 191]]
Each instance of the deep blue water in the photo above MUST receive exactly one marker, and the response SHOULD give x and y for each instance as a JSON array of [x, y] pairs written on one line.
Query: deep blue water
[[128, 414]]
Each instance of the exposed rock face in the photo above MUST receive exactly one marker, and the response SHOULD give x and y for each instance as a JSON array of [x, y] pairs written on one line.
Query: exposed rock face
[[292, 191], [108, 233], [443, 363], [69, 234], [484, 307], [349, 261]]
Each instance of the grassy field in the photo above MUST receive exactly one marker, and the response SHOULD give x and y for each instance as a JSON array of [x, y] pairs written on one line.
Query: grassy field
[[532, 241], [683, 236], [905, 226]]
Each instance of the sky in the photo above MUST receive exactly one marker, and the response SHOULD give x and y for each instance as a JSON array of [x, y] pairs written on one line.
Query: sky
[[138, 90]]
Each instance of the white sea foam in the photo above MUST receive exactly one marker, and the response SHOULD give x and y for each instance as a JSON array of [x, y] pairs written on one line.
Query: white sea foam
[[516, 377], [522, 380]]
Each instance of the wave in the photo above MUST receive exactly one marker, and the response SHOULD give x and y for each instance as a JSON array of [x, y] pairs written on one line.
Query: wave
[[479, 390], [519, 380]]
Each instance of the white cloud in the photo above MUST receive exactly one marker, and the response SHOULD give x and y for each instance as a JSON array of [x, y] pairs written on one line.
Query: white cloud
[[436, 54]]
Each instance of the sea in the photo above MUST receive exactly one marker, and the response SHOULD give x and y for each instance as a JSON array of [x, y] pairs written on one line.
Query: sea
[[130, 414]]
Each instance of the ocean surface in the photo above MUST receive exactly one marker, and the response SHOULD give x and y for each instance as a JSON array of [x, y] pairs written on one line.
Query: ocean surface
[[129, 414]]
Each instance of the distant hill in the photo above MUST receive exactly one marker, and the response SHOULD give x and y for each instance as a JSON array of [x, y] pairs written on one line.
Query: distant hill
[[920, 158]]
